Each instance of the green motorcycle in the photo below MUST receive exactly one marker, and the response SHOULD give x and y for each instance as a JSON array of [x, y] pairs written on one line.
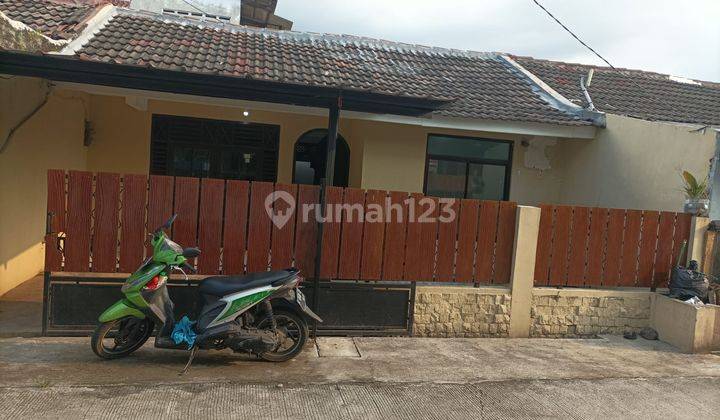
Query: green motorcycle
[[261, 313]]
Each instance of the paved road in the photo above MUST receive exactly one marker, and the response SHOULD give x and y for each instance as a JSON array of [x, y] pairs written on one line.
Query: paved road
[[604, 398], [27, 361], [365, 378]]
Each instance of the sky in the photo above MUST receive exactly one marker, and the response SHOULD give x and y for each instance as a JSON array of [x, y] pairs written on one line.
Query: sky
[[677, 37]]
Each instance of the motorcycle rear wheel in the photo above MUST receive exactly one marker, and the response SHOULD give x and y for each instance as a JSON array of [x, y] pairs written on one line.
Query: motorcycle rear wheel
[[294, 334], [119, 338]]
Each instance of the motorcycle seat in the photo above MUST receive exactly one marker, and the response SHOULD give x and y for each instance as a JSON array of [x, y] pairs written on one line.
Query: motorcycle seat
[[225, 285]]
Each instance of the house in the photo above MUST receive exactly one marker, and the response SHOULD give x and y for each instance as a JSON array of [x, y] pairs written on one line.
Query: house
[[108, 88]]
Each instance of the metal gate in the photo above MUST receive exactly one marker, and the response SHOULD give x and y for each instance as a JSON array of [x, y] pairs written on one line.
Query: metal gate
[[73, 304]]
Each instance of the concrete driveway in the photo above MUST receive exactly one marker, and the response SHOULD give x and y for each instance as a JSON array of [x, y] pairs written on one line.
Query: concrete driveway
[[365, 378]]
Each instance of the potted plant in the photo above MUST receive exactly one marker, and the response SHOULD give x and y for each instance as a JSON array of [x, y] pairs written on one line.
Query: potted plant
[[696, 195]]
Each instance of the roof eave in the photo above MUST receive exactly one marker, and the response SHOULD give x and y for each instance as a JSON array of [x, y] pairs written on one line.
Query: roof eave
[[71, 69]]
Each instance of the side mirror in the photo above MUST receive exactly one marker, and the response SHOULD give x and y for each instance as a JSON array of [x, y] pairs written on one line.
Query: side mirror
[[191, 252]]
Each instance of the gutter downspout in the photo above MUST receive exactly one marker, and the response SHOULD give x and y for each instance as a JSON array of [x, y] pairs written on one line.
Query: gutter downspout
[[584, 87]]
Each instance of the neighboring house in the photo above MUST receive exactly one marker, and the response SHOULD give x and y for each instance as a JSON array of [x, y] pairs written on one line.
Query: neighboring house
[[657, 126], [138, 92]]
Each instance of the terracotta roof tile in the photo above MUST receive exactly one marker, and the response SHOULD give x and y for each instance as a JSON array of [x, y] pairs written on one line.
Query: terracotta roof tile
[[53, 19], [633, 93], [483, 85]]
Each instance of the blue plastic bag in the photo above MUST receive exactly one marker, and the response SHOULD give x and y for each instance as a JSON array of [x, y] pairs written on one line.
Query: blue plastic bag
[[183, 332]]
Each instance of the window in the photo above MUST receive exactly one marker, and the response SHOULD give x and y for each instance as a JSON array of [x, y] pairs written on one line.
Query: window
[[465, 167], [204, 148]]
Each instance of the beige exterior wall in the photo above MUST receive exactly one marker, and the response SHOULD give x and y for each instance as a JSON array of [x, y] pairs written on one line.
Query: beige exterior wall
[[382, 155], [53, 138], [394, 159], [635, 164]]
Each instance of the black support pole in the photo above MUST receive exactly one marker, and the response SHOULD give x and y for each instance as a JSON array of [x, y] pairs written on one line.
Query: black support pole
[[331, 147]]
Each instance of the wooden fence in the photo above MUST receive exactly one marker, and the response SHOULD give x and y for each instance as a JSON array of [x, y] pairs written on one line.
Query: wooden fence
[[582, 246], [105, 218]]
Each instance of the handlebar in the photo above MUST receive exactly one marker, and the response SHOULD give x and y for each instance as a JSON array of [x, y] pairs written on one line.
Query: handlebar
[[167, 224], [189, 267]]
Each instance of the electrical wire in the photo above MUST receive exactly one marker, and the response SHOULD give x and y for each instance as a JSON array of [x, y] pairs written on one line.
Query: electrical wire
[[573, 35], [194, 7], [584, 44]]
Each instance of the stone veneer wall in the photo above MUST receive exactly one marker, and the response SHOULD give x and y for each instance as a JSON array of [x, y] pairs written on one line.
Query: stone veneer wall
[[585, 312], [445, 311]]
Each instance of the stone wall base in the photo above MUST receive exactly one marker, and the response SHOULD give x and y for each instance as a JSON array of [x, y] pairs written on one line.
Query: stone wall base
[[465, 311], [444, 311], [585, 313]]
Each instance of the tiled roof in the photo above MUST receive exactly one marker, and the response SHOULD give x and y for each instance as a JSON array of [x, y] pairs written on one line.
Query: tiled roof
[[633, 93], [483, 85], [53, 19]]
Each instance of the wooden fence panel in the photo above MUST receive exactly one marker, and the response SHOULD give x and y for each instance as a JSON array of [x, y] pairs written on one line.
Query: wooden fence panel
[[187, 191], [55, 206], [352, 231], [447, 239], [132, 232], [468, 218], [486, 237], [283, 227], [413, 239], [613, 253], [79, 207], [212, 193], [395, 234], [259, 228], [578, 246], [505, 242], [235, 229], [543, 251], [648, 243], [373, 235], [596, 246], [560, 245], [428, 237], [331, 234], [306, 230], [682, 234], [663, 255], [160, 202], [630, 248], [105, 235]]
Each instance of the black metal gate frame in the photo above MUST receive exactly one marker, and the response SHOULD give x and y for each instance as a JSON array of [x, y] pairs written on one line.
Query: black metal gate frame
[[50, 327]]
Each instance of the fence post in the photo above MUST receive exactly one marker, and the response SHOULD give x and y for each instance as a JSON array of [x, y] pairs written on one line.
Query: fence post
[[527, 225], [696, 248]]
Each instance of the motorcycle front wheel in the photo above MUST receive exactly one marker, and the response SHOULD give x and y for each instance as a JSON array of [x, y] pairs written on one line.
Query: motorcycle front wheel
[[119, 338], [292, 335]]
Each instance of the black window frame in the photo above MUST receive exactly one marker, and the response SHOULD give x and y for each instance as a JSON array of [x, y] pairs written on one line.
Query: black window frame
[[270, 133], [499, 162]]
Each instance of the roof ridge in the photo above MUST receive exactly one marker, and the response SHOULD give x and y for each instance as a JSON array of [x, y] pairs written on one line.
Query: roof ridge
[[93, 24], [309, 35], [596, 67]]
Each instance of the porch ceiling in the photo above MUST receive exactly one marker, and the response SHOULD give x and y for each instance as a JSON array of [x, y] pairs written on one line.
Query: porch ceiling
[[67, 69]]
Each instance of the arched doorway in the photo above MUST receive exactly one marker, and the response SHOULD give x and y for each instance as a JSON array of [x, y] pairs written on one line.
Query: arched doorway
[[310, 159]]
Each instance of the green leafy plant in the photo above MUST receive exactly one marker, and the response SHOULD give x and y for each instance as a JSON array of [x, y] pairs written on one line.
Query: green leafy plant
[[693, 189]]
